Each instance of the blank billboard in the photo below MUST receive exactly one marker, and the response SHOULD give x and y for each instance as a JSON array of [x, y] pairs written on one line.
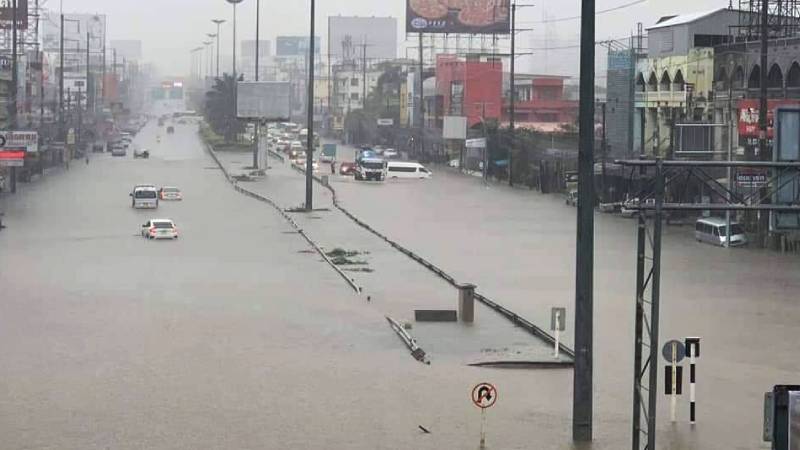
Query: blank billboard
[[264, 100], [348, 35]]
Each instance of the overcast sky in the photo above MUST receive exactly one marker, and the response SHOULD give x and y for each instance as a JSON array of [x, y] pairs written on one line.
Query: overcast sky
[[170, 28]]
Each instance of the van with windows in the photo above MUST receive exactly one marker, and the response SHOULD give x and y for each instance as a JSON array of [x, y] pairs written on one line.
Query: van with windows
[[144, 197], [713, 230], [397, 169]]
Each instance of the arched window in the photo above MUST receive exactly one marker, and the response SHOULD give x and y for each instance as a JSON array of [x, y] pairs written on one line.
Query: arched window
[[652, 82], [665, 82], [738, 78], [722, 78], [793, 76], [755, 78], [678, 84], [775, 77], [640, 84]]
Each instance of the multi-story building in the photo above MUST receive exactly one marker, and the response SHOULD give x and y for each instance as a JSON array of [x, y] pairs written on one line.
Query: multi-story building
[[540, 102], [470, 87], [675, 83]]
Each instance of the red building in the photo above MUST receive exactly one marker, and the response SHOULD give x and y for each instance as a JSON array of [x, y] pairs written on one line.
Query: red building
[[469, 87], [540, 102]]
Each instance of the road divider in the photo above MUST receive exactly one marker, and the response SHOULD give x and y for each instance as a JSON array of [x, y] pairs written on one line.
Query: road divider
[[283, 214], [505, 312]]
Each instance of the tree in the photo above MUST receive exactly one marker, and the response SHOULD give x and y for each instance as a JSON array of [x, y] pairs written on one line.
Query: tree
[[220, 108]]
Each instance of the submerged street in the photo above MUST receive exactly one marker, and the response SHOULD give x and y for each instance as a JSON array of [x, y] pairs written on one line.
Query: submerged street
[[237, 335]]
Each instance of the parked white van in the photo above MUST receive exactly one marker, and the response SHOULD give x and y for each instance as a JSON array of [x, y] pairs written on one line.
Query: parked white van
[[397, 169], [712, 230]]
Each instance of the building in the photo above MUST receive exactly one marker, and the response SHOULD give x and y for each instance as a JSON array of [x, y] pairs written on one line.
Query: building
[[471, 87], [674, 83], [373, 38], [348, 87], [541, 102], [737, 85]]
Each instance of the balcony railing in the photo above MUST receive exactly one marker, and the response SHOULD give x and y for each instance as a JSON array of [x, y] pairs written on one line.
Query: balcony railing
[[661, 96]]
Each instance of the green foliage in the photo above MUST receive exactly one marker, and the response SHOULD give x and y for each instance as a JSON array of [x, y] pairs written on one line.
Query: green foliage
[[220, 109]]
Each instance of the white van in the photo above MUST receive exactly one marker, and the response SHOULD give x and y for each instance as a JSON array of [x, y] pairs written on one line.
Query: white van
[[397, 169], [144, 197], [712, 230]]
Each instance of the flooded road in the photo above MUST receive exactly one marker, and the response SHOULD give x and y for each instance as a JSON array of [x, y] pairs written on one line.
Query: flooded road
[[235, 336]]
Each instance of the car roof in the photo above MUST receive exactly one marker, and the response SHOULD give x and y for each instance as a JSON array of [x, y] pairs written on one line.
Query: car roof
[[404, 164], [162, 220], [715, 221]]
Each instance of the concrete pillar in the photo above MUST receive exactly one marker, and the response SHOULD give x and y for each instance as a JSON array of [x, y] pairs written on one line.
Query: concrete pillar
[[466, 302]]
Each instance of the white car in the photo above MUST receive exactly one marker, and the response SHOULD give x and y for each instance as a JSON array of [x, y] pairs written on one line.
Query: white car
[[170, 193], [390, 153], [159, 229]]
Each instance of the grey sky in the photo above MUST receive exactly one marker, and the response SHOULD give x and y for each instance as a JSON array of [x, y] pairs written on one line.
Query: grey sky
[[170, 28]]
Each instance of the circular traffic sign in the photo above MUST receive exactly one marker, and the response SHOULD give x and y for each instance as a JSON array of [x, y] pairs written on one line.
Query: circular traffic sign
[[484, 395], [2, 140], [673, 346]]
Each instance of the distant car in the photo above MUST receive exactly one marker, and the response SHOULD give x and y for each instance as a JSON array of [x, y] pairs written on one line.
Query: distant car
[[396, 169], [301, 163], [159, 229], [170, 193], [141, 153], [572, 198], [390, 153], [144, 197], [118, 150], [347, 168], [454, 163], [170, 129]]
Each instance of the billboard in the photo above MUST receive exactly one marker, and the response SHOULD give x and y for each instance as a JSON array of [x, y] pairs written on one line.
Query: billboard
[[264, 100], [455, 127], [295, 45], [458, 16], [7, 15], [348, 34], [19, 141], [748, 116]]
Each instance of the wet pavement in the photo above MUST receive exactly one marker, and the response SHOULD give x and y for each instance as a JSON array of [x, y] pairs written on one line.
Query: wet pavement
[[235, 336]]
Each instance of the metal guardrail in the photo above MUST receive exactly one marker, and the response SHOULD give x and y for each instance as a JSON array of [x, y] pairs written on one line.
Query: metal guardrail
[[285, 215], [515, 318]]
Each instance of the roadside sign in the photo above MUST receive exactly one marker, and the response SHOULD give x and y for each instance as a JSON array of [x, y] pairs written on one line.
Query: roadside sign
[[558, 321], [476, 143], [673, 351], [12, 158], [484, 395], [751, 178], [385, 122], [20, 140], [71, 136]]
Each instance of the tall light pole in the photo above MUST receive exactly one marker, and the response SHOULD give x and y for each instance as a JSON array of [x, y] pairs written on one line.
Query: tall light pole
[[209, 49], [310, 110], [258, 37], [212, 36], [218, 22], [234, 3]]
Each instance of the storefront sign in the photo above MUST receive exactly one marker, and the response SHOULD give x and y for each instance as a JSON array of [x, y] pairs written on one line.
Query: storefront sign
[[748, 116], [28, 140], [12, 158], [751, 178]]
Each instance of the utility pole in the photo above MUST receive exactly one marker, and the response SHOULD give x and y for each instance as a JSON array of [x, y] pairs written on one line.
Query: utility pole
[[88, 74], [763, 104], [310, 110], [364, 72], [512, 94], [255, 138], [584, 279], [604, 144], [218, 22], [61, 79], [420, 107], [15, 82]]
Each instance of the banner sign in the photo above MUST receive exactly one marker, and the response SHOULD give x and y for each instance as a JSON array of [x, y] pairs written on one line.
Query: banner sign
[[748, 116], [751, 178], [454, 16], [16, 140]]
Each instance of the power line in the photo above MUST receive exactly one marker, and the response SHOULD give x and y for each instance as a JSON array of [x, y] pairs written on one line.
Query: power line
[[603, 11]]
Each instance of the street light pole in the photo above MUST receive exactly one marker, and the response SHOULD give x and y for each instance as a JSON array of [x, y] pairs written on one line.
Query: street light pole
[[310, 108], [255, 137], [218, 22], [512, 110], [234, 3]]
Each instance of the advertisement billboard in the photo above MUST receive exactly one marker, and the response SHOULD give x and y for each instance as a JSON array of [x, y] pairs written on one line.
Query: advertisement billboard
[[7, 15], [75, 28], [748, 116], [27, 141], [295, 45], [264, 100], [458, 16]]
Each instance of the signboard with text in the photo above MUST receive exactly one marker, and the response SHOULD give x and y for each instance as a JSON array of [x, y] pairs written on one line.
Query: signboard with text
[[748, 116], [751, 178], [7, 15], [27, 141]]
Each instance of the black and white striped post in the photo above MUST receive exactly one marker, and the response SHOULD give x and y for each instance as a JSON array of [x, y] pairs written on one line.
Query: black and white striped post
[[693, 351]]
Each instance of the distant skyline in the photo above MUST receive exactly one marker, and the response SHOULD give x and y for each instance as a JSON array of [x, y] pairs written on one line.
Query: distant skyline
[[169, 29]]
